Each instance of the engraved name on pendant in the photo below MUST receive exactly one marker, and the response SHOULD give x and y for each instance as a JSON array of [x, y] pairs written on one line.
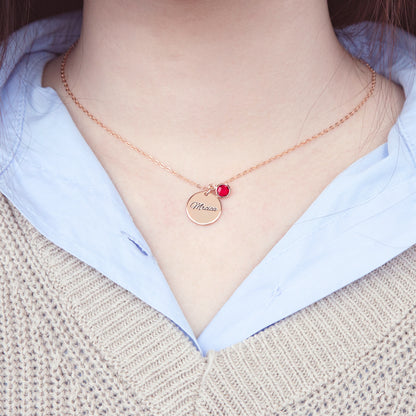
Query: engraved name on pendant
[[203, 209]]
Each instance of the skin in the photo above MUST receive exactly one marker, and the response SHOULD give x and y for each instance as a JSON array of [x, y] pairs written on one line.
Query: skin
[[212, 88]]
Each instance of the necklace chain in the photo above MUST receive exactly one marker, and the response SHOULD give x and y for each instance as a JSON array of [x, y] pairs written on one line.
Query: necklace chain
[[238, 175]]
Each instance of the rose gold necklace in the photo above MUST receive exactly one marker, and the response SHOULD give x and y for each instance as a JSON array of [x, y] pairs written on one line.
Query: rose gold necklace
[[204, 207]]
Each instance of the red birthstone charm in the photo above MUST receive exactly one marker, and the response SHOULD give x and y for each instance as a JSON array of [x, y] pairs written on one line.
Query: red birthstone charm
[[223, 190]]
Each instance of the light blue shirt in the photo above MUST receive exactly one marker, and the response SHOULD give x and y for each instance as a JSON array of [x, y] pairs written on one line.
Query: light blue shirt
[[362, 219]]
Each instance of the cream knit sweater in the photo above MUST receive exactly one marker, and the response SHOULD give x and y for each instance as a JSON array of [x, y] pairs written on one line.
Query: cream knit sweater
[[72, 342]]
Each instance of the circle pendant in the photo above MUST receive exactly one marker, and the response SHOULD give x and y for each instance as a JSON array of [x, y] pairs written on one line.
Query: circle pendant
[[203, 209]]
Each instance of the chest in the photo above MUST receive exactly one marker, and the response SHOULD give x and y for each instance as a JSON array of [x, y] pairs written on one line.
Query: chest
[[204, 265]]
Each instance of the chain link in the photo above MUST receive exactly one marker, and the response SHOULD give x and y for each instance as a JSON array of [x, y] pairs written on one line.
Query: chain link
[[238, 175]]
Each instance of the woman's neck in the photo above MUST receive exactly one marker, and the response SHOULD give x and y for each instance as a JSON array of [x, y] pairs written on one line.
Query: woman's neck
[[194, 74]]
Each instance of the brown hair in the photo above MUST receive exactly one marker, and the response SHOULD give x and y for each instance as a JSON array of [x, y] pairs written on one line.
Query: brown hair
[[15, 14], [391, 14]]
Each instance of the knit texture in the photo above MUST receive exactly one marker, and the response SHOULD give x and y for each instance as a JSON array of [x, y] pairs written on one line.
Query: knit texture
[[72, 342]]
